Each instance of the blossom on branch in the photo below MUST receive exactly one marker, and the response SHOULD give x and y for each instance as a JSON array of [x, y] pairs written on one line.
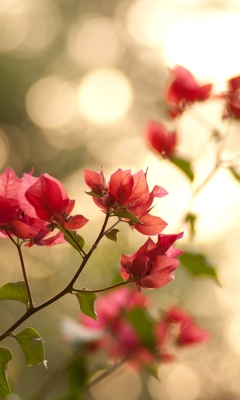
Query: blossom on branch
[[153, 265], [232, 97], [161, 139], [46, 198], [184, 90], [127, 196]]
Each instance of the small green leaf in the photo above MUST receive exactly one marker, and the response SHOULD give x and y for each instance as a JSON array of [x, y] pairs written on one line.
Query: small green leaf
[[184, 165], [73, 238], [143, 325], [14, 291], [198, 266], [191, 219], [92, 194], [77, 373], [112, 235], [5, 357], [127, 214], [234, 173], [152, 369], [31, 344], [86, 302]]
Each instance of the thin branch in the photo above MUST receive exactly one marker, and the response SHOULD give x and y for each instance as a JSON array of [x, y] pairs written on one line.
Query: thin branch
[[103, 289]]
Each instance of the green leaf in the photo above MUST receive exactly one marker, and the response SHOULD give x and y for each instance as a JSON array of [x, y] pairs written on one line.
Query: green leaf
[[198, 266], [92, 194], [31, 344], [112, 235], [191, 219], [73, 238], [152, 369], [143, 325], [77, 374], [14, 291], [86, 302], [184, 165], [234, 173], [127, 214], [5, 357]]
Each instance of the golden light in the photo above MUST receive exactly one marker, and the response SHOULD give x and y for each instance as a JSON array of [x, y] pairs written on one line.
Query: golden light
[[50, 102], [94, 42], [4, 148], [104, 96], [27, 27]]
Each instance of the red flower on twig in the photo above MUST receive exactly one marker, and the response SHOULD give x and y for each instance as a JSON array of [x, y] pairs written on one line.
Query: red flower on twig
[[126, 192], [153, 265], [161, 139], [184, 90]]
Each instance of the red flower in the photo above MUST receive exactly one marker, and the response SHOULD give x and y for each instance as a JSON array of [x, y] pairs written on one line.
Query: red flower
[[232, 107], [189, 332], [9, 186], [183, 89], [46, 198], [127, 192], [153, 265], [161, 139]]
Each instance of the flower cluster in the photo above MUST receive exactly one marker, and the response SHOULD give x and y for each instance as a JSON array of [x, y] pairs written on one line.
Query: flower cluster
[[153, 265], [126, 330], [31, 207], [127, 196]]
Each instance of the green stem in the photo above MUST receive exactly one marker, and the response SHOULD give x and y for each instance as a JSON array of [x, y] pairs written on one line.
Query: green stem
[[106, 373], [103, 289], [18, 246], [68, 289]]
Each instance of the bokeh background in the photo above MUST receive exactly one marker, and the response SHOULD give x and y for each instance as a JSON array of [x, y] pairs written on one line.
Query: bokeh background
[[79, 80]]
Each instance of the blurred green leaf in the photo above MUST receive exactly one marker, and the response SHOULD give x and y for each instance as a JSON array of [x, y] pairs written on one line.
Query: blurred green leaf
[[144, 325], [234, 173], [112, 235], [127, 214], [92, 194], [86, 302], [77, 374], [198, 266], [5, 357], [184, 165], [31, 344], [191, 219], [14, 291], [73, 238], [152, 369]]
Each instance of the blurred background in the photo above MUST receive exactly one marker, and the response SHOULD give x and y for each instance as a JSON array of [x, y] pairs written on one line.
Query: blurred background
[[79, 80]]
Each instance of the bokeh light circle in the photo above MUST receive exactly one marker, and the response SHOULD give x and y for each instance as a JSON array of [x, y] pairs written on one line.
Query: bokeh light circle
[[104, 96], [94, 42], [50, 102]]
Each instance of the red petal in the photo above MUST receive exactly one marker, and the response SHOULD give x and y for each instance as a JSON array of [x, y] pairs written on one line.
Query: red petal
[[151, 225]]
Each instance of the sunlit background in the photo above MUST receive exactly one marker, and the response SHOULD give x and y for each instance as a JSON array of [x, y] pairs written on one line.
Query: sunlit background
[[79, 80]]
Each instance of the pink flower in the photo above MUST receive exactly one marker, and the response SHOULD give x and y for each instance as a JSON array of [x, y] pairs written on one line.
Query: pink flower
[[161, 139], [153, 265], [189, 331], [9, 206], [184, 90], [127, 192], [45, 198], [232, 97]]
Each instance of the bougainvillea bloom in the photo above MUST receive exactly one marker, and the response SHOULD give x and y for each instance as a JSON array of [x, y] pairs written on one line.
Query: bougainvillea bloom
[[127, 192], [9, 186], [161, 139], [232, 97], [47, 199], [153, 265], [189, 332], [183, 89]]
